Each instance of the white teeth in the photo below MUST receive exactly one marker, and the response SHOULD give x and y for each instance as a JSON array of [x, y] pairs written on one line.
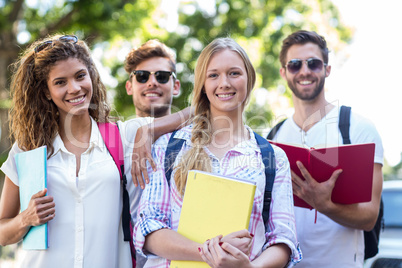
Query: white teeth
[[77, 100], [151, 95], [224, 95], [305, 82]]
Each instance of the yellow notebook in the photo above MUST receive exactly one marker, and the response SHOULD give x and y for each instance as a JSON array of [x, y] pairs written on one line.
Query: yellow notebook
[[213, 205]]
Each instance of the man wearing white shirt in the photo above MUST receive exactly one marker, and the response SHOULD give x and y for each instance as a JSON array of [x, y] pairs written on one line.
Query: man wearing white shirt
[[330, 235]]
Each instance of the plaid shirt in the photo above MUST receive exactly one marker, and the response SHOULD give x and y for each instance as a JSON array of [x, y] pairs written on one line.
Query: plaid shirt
[[160, 205]]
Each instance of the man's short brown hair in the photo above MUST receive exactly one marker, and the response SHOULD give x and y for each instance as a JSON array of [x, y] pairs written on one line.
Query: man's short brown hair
[[300, 38], [151, 49]]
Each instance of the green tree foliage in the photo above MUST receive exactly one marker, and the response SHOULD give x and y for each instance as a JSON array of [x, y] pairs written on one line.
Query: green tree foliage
[[22, 22], [392, 172], [117, 26], [259, 26]]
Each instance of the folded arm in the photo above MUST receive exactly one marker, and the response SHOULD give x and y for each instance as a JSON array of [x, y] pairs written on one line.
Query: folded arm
[[171, 245], [218, 254]]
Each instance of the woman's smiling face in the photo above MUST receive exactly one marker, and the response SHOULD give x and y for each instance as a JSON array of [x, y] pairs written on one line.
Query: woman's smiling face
[[70, 87], [226, 82]]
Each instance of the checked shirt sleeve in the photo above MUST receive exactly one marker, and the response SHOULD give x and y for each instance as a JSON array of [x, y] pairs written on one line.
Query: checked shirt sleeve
[[154, 209]]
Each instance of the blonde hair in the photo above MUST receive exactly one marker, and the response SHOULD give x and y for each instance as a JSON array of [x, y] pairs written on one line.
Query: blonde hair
[[201, 135], [34, 118]]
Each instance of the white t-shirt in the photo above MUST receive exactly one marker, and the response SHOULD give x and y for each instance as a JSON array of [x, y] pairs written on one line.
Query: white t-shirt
[[87, 230], [327, 243]]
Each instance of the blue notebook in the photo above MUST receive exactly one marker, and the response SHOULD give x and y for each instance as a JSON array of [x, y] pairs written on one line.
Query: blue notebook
[[32, 176]]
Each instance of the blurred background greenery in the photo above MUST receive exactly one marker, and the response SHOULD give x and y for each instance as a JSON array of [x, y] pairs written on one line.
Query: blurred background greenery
[[114, 27]]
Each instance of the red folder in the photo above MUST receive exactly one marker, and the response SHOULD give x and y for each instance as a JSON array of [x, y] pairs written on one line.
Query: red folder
[[354, 184]]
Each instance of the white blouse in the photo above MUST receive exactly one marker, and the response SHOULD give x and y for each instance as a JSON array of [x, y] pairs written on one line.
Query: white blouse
[[86, 231]]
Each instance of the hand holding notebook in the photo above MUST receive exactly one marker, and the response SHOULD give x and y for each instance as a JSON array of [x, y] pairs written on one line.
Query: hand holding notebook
[[213, 205], [354, 184]]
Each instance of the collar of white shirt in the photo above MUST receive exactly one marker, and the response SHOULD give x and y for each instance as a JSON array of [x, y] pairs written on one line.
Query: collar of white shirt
[[95, 141]]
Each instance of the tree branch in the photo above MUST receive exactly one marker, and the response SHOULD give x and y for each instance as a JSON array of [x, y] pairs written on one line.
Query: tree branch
[[16, 10], [60, 24]]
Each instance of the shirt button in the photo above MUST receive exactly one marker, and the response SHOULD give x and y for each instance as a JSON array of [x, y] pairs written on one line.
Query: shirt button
[[79, 229]]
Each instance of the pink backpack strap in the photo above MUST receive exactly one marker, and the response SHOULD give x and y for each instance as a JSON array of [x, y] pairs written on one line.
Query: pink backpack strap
[[111, 136]]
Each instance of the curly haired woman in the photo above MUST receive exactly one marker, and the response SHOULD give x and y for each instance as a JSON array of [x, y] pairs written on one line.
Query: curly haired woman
[[58, 98]]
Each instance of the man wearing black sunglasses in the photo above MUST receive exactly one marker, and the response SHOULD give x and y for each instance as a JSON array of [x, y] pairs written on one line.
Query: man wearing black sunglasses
[[152, 79], [152, 84], [330, 235]]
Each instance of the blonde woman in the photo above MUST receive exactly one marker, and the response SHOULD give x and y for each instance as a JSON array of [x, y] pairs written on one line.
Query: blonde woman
[[58, 98], [218, 141]]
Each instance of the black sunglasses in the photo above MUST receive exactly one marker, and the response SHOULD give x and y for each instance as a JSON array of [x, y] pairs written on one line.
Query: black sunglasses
[[313, 64], [161, 76], [65, 38]]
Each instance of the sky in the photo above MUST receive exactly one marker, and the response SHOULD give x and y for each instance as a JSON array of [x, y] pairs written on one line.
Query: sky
[[368, 79]]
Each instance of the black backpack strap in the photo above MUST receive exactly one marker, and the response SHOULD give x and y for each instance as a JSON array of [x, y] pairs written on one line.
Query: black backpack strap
[[172, 150], [268, 158], [344, 123], [274, 130], [371, 238]]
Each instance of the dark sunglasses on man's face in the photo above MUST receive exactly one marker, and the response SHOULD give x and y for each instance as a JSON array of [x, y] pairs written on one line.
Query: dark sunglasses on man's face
[[161, 76], [315, 65]]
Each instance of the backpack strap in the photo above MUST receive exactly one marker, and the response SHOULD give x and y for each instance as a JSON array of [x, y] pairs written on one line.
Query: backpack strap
[[371, 238], [274, 130], [172, 150], [268, 158], [344, 123], [111, 136]]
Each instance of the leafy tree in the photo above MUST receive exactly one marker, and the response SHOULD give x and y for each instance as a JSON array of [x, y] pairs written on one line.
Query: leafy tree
[[22, 22], [259, 26], [116, 26]]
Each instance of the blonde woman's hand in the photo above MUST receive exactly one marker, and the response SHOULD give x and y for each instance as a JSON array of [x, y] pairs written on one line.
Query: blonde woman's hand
[[241, 240], [223, 255]]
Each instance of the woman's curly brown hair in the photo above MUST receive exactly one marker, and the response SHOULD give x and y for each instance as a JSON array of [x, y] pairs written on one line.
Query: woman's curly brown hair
[[34, 119]]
